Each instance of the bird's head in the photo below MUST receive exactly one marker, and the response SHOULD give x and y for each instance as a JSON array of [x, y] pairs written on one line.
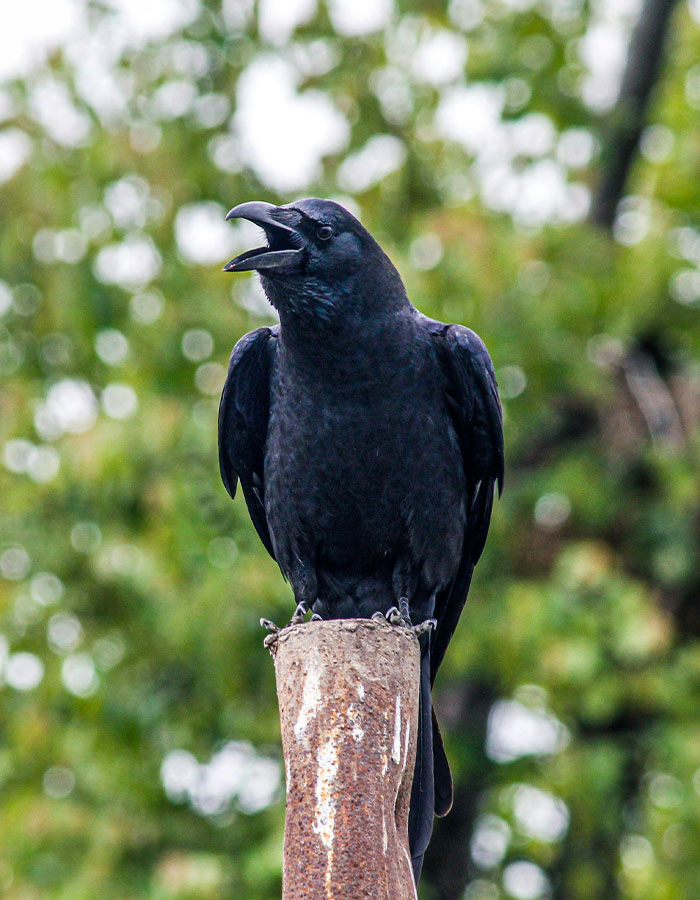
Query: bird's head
[[318, 259]]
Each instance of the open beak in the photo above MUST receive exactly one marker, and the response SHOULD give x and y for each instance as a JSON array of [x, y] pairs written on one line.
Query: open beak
[[284, 247]]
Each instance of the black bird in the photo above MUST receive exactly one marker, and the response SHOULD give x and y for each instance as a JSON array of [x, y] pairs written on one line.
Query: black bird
[[368, 442]]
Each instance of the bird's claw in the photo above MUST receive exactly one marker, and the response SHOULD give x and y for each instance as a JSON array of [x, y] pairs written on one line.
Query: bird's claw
[[316, 618], [391, 617], [299, 613], [428, 625], [274, 634], [270, 641]]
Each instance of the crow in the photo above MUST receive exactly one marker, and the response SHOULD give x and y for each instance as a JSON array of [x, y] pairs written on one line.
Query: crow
[[368, 441]]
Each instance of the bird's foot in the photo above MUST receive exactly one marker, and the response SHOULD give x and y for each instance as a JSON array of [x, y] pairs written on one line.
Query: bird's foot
[[299, 613], [274, 630], [421, 628], [394, 617], [391, 617], [316, 618], [401, 618]]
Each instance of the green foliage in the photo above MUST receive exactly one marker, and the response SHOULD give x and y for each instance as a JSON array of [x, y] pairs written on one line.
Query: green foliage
[[131, 585]]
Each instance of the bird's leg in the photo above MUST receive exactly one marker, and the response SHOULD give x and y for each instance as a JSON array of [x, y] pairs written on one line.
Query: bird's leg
[[305, 586], [405, 584]]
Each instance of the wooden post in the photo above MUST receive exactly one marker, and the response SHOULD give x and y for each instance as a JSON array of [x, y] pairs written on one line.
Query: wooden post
[[348, 698]]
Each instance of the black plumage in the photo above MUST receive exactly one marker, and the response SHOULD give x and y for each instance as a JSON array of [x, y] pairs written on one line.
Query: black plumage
[[368, 442]]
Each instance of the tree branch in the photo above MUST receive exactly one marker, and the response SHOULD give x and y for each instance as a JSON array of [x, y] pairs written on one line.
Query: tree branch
[[629, 116]]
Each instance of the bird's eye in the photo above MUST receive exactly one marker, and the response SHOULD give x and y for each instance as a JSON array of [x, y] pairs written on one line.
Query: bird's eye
[[325, 232]]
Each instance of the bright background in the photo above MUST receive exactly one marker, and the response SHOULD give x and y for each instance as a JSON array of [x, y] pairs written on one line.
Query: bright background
[[139, 744]]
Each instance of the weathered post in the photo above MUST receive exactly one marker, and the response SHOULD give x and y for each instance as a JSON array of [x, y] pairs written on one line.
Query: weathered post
[[348, 698]]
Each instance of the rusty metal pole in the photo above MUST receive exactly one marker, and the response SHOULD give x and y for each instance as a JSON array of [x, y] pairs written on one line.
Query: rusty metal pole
[[348, 698]]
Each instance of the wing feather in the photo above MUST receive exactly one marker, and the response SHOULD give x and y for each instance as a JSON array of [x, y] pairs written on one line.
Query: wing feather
[[471, 393], [243, 418]]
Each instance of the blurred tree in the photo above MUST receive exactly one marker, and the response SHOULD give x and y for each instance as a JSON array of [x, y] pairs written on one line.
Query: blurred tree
[[644, 59]]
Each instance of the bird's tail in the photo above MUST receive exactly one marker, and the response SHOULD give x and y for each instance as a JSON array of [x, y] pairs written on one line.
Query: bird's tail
[[420, 818], [442, 775], [432, 782]]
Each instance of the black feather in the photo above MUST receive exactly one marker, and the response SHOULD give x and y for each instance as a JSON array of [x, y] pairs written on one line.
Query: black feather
[[243, 417]]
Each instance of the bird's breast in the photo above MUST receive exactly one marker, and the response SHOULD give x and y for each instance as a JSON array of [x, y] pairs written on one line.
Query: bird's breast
[[354, 460]]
